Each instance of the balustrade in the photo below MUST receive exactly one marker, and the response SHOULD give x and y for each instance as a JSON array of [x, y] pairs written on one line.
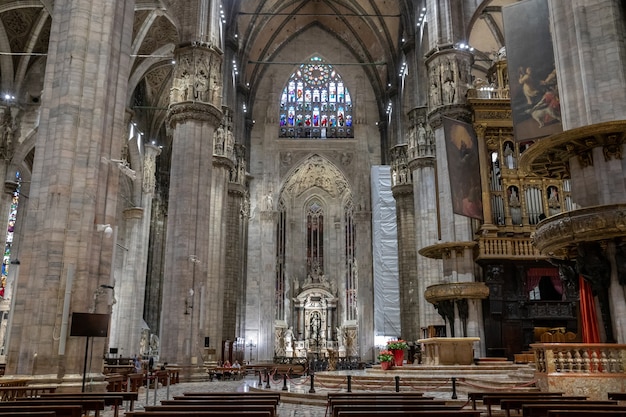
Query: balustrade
[[585, 358]]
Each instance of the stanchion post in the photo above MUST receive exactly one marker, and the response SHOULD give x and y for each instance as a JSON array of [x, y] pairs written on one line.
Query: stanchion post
[[397, 383], [284, 382], [156, 386], [260, 381], [168, 386], [312, 389], [147, 388], [349, 383], [267, 379], [454, 397]]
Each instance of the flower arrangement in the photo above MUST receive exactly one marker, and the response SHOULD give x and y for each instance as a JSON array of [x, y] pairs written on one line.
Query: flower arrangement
[[396, 344], [385, 356]]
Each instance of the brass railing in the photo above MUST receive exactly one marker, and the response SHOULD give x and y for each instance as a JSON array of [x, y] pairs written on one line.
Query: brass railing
[[583, 358]]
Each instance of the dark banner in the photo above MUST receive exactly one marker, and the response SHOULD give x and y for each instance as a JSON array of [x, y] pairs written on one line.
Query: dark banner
[[463, 168], [532, 75]]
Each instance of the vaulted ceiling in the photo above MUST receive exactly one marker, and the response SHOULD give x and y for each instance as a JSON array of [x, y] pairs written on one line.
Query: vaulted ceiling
[[371, 32]]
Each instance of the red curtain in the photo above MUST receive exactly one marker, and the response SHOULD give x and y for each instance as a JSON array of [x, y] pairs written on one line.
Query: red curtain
[[588, 319], [533, 276]]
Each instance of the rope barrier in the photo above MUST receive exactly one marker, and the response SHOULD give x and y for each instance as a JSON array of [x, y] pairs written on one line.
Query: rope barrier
[[345, 379], [292, 381]]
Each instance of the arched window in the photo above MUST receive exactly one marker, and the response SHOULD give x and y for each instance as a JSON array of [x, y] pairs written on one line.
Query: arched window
[[315, 103], [8, 241]]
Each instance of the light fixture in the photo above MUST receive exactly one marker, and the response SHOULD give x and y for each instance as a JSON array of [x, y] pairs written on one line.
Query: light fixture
[[106, 228]]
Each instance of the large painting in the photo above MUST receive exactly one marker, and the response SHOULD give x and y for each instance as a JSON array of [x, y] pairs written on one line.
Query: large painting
[[463, 168], [532, 75]]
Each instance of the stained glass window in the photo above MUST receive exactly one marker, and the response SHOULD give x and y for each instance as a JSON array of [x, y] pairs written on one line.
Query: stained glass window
[[316, 104]]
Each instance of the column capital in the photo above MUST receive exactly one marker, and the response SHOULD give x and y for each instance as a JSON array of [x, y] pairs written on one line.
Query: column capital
[[182, 112]]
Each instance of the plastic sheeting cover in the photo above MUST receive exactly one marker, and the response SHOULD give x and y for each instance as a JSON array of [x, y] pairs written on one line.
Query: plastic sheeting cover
[[385, 254]]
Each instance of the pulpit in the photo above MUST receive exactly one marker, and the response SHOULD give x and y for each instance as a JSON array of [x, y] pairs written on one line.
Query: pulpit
[[448, 350]]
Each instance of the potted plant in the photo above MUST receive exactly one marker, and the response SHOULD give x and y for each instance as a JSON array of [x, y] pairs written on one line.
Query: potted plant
[[397, 347], [386, 359]]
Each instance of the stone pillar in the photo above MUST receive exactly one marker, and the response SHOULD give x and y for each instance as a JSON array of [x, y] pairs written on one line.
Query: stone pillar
[[365, 290], [193, 116], [65, 259], [410, 297], [127, 319], [421, 163], [212, 320]]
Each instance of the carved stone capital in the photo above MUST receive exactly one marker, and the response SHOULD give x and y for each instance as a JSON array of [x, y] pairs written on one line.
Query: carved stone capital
[[402, 190], [456, 291], [183, 112]]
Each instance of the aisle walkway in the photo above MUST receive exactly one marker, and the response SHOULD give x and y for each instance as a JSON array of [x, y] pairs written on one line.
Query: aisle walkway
[[284, 409]]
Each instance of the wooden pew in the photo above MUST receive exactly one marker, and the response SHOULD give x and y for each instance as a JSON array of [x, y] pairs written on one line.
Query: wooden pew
[[391, 394], [9, 393], [541, 410], [224, 407], [60, 410], [508, 403], [366, 408], [29, 414], [619, 396], [586, 413], [114, 399], [87, 404], [429, 413], [225, 401], [232, 394], [479, 395], [197, 413]]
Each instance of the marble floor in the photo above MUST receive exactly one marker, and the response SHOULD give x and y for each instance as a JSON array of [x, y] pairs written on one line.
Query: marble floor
[[285, 408]]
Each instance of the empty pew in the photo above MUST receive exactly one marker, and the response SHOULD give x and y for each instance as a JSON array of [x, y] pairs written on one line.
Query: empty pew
[[60, 410], [429, 413], [619, 396], [508, 404], [226, 408], [480, 395], [197, 413], [29, 414], [367, 407], [87, 404], [541, 410], [114, 399], [586, 413]]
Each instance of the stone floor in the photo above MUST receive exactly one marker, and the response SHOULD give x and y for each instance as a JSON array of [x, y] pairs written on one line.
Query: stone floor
[[285, 408]]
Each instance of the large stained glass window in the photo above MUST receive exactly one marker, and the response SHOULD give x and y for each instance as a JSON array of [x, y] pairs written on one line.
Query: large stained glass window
[[316, 104]]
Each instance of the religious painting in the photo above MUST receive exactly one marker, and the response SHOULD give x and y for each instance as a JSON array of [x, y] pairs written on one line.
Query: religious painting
[[532, 75], [463, 168]]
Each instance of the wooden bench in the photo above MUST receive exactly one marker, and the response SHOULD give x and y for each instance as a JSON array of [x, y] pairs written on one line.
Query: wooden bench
[[367, 407], [9, 393], [541, 410], [429, 413], [59, 410], [508, 404], [114, 399], [479, 395], [216, 406], [390, 394], [87, 404], [586, 413], [227, 401], [225, 395], [197, 413], [29, 414], [134, 382], [619, 396]]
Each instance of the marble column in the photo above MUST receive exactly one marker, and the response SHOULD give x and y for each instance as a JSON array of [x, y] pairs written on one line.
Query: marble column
[[193, 117], [65, 259]]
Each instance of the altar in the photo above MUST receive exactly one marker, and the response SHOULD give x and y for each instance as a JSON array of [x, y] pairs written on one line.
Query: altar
[[448, 350]]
